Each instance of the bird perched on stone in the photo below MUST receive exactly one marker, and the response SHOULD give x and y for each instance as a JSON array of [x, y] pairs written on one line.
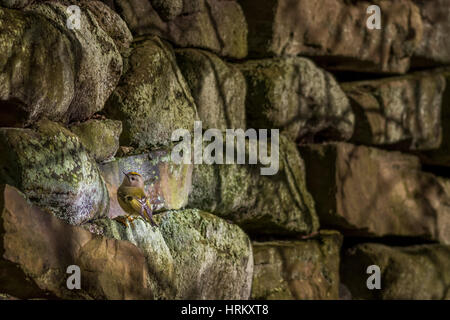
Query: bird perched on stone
[[133, 200]]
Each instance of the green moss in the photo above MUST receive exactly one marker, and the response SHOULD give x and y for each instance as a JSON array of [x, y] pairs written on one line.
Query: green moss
[[55, 171], [292, 94], [153, 99], [278, 204], [191, 254], [99, 137]]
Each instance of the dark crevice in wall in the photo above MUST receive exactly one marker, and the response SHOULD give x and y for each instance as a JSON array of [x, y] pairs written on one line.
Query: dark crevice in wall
[[281, 237], [392, 241], [348, 241], [353, 76], [420, 64], [440, 171], [12, 113]]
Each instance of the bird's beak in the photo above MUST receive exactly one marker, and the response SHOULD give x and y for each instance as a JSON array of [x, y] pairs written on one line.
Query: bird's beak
[[126, 175]]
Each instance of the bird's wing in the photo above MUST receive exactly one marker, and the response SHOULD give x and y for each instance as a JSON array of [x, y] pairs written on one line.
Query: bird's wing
[[136, 205], [132, 197]]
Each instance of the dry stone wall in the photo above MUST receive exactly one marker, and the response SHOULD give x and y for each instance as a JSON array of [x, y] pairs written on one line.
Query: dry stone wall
[[364, 131]]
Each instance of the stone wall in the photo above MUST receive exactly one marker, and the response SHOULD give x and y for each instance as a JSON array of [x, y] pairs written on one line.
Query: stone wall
[[364, 151]]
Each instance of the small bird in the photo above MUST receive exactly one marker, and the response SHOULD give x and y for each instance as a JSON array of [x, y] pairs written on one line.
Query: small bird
[[133, 200]]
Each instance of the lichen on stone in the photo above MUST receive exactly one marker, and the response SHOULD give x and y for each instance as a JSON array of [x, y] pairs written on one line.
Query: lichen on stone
[[152, 99], [53, 169], [278, 204], [190, 254]]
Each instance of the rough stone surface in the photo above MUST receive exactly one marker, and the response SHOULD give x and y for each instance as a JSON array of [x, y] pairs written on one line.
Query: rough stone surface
[[216, 25], [335, 32], [370, 192], [14, 4], [80, 107], [99, 137], [191, 254], [152, 99], [434, 49], [36, 248], [85, 64], [167, 10], [218, 88], [263, 204], [105, 18], [418, 272], [402, 112], [151, 242], [307, 269], [98, 62], [110, 22], [53, 169], [441, 155], [167, 184], [24, 59], [294, 95]]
